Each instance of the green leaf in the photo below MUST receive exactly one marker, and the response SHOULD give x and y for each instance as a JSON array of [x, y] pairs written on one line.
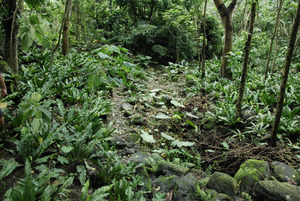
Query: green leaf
[[168, 137], [147, 137], [66, 149], [36, 96], [36, 125], [85, 191], [34, 19], [27, 41], [8, 167], [225, 145], [178, 143], [82, 176], [177, 104], [191, 115], [103, 56], [63, 160], [61, 107], [162, 116]]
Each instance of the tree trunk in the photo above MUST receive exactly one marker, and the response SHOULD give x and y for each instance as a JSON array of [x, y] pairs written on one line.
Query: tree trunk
[[245, 64], [203, 44], [11, 27], [273, 36], [243, 16], [226, 16], [65, 41], [288, 59], [275, 53]]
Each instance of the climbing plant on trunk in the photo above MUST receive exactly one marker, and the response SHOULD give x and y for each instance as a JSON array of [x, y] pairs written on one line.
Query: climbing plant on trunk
[[245, 63], [288, 60], [226, 16]]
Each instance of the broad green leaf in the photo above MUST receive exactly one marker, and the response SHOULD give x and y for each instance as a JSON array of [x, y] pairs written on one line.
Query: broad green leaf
[[191, 115], [178, 143], [34, 19], [8, 167], [36, 96], [66, 149], [27, 41], [177, 104], [61, 107], [36, 125], [166, 136], [162, 116], [147, 137], [85, 191], [62, 160], [82, 176], [103, 56]]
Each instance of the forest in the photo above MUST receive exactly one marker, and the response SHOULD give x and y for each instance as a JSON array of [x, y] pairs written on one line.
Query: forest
[[159, 100]]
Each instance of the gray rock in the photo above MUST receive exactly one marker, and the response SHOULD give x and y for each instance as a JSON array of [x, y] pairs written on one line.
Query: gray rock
[[284, 173], [128, 109], [223, 183], [136, 119], [185, 188], [251, 172], [277, 191], [169, 168]]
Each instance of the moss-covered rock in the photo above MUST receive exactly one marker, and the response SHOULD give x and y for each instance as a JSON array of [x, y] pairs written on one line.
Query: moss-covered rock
[[223, 183], [185, 188], [277, 191], [284, 173], [251, 172], [169, 168], [4, 67]]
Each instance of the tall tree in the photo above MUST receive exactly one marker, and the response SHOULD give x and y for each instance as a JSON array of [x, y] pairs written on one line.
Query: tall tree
[[245, 63], [288, 59], [66, 26], [203, 44], [273, 36], [11, 26], [226, 16]]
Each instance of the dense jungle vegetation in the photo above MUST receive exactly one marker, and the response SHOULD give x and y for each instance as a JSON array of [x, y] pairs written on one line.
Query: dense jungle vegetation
[[137, 99]]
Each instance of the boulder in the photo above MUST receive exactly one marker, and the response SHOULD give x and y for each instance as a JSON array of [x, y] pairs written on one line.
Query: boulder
[[128, 109], [251, 172], [277, 191], [136, 119], [185, 188], [285, 173], [223, 183], [169, 168]]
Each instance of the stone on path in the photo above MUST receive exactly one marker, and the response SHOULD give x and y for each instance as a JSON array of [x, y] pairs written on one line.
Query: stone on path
[[223, 183], [277, 191]]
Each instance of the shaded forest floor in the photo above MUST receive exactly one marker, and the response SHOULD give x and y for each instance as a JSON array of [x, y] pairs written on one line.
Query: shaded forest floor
[[154, 114], [217, 146]]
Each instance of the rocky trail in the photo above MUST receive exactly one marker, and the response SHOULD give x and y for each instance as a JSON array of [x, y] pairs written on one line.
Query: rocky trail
[[164, 132]]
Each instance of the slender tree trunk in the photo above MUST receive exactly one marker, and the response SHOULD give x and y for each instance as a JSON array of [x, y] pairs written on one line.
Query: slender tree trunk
[[275, 53], [65, 41], [245, 64], [197, 24], [11, 27], [273, 36], [203, 44], [243, 16], [226, 16], [288, 60]]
